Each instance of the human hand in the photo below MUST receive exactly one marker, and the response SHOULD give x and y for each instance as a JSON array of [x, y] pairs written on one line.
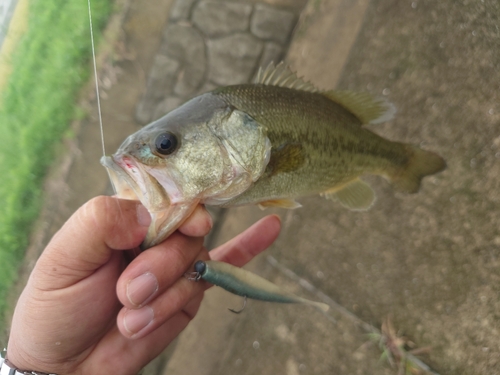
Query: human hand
[[87, 310]]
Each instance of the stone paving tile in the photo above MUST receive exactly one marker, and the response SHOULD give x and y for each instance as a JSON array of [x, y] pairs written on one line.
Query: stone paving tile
[[271, 23], [215, 18], [160, 83], [181, 10], [209, 43], [272, 52], [233, 59]]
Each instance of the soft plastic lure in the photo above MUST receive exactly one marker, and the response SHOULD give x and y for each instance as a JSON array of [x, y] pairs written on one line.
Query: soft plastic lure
[[246, 284]]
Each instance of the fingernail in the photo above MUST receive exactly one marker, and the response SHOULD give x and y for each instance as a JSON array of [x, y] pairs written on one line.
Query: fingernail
[[135, 321], [143, 216], [210, 220], [141, 289]]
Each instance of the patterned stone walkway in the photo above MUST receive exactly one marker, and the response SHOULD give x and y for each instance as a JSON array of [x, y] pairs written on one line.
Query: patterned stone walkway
[[210, 43]]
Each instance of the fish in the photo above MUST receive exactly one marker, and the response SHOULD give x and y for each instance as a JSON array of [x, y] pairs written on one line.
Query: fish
[[247, 284], [266, 143]]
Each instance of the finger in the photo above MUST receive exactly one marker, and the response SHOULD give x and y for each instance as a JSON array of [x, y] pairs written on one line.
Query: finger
[[88, 238], [198, 224], [244, 247], [115, 349], [157, 269], [137, 323]]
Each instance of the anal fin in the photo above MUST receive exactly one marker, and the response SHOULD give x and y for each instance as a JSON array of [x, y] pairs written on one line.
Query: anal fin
[[356, 195], [282, 203]]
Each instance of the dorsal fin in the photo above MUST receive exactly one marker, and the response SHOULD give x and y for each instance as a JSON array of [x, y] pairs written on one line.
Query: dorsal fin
[[367, 108], [281, 75]]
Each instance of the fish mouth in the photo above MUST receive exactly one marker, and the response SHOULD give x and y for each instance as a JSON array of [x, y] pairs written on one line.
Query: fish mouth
[[124, 185], [132, 181]]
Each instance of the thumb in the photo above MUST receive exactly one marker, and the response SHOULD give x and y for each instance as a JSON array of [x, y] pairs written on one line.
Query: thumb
[[89, 238]]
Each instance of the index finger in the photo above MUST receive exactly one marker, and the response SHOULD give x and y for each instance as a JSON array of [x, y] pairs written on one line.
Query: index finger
[[90, 236], [245, 246]]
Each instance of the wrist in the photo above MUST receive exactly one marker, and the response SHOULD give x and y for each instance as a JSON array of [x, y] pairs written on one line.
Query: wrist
[[8, 368]]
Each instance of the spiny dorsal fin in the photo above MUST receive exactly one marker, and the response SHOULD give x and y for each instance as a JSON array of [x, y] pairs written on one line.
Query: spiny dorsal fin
[[367, 108], [281, 75]]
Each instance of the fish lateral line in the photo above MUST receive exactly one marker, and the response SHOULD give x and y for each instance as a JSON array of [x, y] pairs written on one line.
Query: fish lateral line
[[246, 284]]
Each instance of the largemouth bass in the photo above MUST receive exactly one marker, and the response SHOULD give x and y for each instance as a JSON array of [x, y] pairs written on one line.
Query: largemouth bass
[[265, 143]]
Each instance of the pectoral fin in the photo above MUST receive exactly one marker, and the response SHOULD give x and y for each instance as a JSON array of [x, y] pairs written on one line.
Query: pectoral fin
[[283, 203], [356, 195]]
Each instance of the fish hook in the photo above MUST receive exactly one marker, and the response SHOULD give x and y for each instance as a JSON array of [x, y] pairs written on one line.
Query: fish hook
[[242, 308], [193, 276], [196, 276]]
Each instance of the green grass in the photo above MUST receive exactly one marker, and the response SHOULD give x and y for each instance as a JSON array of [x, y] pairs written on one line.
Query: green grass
[[51, 63]]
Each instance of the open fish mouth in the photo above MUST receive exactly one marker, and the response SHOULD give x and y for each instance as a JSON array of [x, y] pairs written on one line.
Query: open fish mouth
[[125, 186], [131, 181]]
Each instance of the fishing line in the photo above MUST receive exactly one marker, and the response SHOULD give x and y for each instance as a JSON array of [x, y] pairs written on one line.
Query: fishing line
[[96, 80]]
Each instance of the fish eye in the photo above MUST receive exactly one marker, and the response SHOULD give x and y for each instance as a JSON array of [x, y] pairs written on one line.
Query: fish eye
[[166, 143], [200, 267]]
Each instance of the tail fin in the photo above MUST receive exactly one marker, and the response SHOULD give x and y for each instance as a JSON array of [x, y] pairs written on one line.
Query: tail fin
[[421, 163]]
